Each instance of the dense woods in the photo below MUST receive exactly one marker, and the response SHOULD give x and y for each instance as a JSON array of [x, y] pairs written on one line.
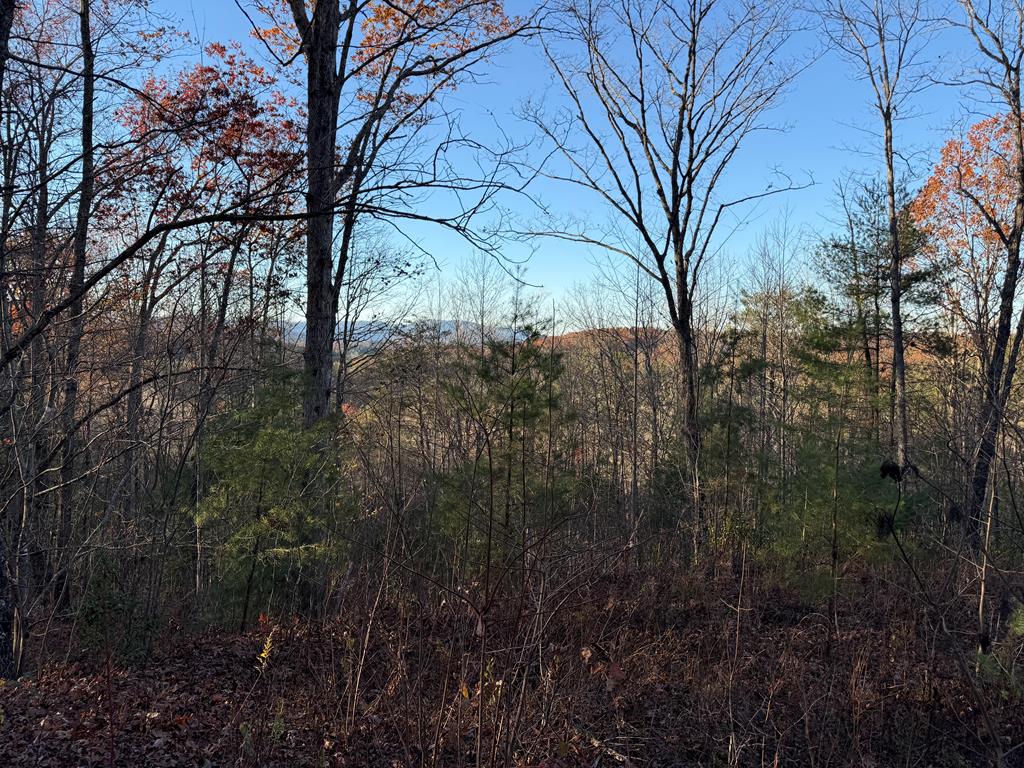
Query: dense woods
[[284, 481]]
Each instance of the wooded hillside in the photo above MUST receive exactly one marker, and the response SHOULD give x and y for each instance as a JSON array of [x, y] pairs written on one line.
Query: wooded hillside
[[298, 465]]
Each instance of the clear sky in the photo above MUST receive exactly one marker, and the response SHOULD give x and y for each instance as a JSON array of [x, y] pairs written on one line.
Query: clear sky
[[826, 115]]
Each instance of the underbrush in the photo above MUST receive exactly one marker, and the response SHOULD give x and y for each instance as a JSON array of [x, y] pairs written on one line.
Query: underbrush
[[718, 667]]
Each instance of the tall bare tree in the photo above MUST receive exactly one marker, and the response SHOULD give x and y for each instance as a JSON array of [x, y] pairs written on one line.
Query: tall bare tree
[[662, 95], [886, 39], [79, 257]]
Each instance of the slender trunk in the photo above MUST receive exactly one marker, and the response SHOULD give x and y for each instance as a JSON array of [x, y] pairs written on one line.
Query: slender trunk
[[1002, 365], [634, 488], [983, 575], [784, 386], [877, 340], [38, 559], [688, 412], [134, 405], [248, 584], [259, 353], [762, 413], [348, 229], [67, 471], [899, 375], [6, 596], [835, 512], [652, 396], [865, 337], [208, 387], [998, 378], [728, 437]]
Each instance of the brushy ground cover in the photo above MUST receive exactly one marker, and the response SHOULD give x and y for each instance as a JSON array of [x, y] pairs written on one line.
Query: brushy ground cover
[[659, 671]]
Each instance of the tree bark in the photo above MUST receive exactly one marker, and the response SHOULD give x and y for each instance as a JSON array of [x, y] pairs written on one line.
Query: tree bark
[[320, 40], [689, 426], [899, 370]]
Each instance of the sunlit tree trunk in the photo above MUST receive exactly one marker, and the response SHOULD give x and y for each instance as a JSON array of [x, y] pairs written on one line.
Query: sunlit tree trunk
[[320, 43]]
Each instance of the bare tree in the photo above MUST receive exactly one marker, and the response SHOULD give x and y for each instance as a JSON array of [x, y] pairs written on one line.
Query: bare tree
[[662, 95], [999, 36], [886, 40], [79, 257]]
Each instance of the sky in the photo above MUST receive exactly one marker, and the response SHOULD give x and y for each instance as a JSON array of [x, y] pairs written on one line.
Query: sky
[[827, 135]]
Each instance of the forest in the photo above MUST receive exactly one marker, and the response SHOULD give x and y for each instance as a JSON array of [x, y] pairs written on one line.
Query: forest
[[468, 383]]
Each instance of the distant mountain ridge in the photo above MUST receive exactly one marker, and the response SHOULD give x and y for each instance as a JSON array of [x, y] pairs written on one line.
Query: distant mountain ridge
[[374, 333]]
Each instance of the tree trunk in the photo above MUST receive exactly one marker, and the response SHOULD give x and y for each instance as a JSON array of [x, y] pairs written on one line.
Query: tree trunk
[[67, 470], [1002, 364], [321, 43], [1002, 76], [348, 228], [899, 374], [996, 385], [6, 597], [689, 425]]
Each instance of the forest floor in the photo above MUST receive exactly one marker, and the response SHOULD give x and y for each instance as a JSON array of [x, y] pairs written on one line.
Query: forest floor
[[655, 672]]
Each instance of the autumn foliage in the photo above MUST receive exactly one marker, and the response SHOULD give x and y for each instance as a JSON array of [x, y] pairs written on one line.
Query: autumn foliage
[[392, 29], [961, 209], [217, 130], [971, 187]]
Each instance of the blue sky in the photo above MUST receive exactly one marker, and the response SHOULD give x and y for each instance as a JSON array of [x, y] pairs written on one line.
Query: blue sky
[[826, 114]]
